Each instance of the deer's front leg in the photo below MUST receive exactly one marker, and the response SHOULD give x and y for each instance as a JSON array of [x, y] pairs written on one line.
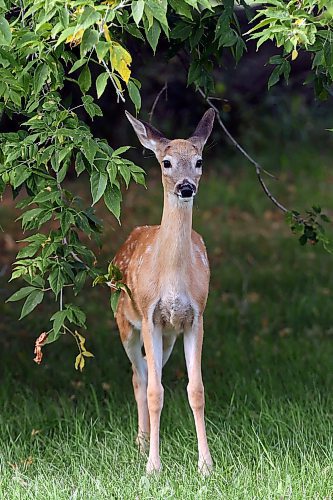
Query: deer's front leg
[[152, 338], [193, 347]]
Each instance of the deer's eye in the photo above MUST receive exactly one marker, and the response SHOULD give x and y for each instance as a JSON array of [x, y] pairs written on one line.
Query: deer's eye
[[167, 163], [198, 164]]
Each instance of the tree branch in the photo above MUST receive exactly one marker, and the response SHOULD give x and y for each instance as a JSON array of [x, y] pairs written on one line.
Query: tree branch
[[231, 138], [157, 98], [257, 165]]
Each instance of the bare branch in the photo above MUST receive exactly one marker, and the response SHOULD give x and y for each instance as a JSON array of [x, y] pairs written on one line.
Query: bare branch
[[157, 98], [270, 196], [232, 139], [257, 166]]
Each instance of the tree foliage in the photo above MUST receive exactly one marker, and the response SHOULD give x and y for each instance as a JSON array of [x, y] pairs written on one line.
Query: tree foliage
[[44, 44]]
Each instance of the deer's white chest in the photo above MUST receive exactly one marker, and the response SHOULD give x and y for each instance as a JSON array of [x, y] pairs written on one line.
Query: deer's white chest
[[174, 310]]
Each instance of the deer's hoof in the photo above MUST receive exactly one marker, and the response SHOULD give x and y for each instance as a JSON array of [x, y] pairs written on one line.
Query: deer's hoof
[[153, 467], [205, 466]]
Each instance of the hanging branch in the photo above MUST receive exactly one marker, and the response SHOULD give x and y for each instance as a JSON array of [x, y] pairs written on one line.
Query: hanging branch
[[157, 98], [258, 167], [232, 139], [152, 110], [308, 228]]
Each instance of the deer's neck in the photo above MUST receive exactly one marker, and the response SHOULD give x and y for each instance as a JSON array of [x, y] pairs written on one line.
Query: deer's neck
[[175, 241]]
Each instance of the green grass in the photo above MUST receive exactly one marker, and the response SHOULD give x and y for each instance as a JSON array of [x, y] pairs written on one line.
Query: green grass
[[267, 363]]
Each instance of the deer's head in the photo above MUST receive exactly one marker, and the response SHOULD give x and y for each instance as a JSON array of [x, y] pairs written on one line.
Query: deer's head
[[180, 159]]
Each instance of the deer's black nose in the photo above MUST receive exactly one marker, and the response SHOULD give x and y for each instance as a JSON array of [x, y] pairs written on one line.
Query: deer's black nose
[[186, 192], [186, 189]]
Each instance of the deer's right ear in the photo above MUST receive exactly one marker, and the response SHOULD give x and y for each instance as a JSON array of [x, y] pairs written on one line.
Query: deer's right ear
[[149, 136]]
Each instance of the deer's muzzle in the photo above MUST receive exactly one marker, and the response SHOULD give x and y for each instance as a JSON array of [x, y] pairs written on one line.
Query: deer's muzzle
[[185, 189]]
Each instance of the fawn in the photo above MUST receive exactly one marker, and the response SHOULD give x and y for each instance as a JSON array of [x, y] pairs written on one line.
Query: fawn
[[167, 271]]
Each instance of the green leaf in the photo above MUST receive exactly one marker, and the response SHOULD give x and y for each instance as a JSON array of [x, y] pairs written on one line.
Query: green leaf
[[79, 281], [77, 65], [5, 33], [31, 302], [89, 40], [46, 195], [30, 215], [64, 17], [112, 171], [125, 173], [102, 48], [79, 317], [133, 30], [194, 72], [120, 150], [29, 250], [180, 7], [90, 149], [139, 178], [56, 280], [91, 108], [58, 319], [137, 10], [40, 77], [98, 181], [101, 82], [66, 220], [325, 218], [52, 337], [61, 174], [79, 164], [134, 94], [153, 35], [112, 198], [114, 300], [21, 294], [21, 175], [89, 17], [159, 10], [84, 79], [275, 76]]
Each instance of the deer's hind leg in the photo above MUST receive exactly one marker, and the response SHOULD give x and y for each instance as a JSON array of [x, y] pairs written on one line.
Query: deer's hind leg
[[132, 343]]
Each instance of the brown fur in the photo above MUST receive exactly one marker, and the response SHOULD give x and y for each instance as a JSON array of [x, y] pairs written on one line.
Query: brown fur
[[167, 271]]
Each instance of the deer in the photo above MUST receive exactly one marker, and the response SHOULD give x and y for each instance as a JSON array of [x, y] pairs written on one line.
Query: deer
[[167, 271]]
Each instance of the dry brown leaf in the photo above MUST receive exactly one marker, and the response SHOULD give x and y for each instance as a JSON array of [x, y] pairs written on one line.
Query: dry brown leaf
[[38, 347]]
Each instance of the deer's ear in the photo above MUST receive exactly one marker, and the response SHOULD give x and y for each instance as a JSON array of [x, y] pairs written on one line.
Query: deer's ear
[[149, 136], [204, 128]]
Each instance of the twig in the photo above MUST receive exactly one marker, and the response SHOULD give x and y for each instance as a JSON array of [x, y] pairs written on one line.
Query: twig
[[232, 139], [257, 166], [157, 98], [61, 300], [151, 112], [119, 94], [271, 197]]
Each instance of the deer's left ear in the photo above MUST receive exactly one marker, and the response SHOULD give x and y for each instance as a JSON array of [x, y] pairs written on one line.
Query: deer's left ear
[[204, 129], [149, 136]]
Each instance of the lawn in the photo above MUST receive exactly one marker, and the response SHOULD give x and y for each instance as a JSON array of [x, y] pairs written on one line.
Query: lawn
[[267, 359]]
